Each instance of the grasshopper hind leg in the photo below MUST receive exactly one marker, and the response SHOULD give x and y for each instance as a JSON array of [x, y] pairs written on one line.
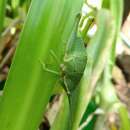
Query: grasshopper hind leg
[[66, 86], [68, 92]]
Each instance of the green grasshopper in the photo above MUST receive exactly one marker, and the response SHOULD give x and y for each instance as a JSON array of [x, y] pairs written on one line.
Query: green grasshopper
[[74, 62]]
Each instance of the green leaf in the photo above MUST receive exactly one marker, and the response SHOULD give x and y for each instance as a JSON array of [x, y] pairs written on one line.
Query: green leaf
[[28, 87]]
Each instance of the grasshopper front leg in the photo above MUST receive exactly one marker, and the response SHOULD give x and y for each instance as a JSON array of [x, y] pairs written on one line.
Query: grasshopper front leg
[[49, 70]]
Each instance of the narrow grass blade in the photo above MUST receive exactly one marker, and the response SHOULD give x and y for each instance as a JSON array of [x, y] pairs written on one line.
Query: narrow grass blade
[[116, 8], [61, 120], [2, 13], [97, 51], [15, 5]]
